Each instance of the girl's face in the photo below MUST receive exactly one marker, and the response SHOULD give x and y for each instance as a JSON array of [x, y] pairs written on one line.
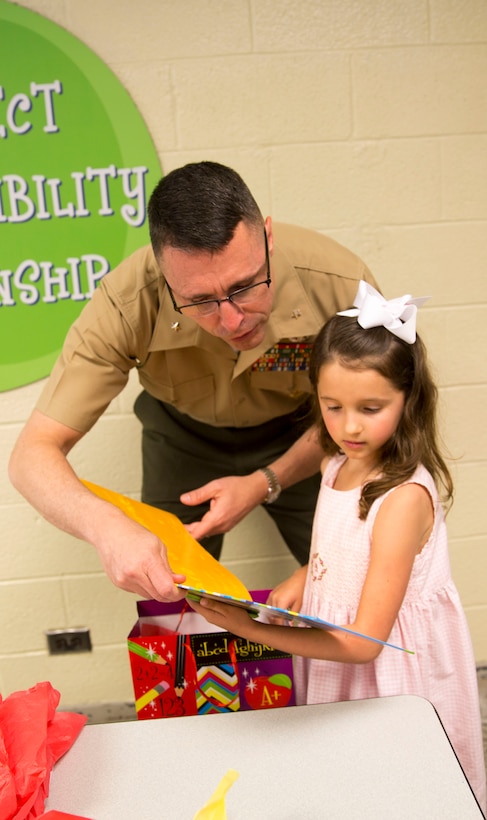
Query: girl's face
[[360, 408]]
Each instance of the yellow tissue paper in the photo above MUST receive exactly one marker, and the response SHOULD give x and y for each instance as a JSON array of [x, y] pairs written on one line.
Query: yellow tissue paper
[[215, 808], [185, 554]]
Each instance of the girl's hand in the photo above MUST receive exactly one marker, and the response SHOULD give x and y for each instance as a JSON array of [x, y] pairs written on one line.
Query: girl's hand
[[289, 594], [231, 618]]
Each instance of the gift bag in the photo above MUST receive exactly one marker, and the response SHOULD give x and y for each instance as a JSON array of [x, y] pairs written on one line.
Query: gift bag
[[182, 665]]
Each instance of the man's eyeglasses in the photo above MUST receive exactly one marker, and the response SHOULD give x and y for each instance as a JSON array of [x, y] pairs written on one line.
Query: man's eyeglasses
[[240, 297]]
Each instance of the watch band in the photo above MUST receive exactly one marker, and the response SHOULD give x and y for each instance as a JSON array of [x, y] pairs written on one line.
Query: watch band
[[273, 486]]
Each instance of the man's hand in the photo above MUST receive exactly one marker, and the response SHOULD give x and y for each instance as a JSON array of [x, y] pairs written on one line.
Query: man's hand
[[135, 560], [231, 499]]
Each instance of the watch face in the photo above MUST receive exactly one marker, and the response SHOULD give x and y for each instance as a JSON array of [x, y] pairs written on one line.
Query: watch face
[[272, 495], [274, 488]]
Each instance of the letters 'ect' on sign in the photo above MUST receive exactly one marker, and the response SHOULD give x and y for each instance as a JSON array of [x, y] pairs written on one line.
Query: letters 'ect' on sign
[[77, 165]]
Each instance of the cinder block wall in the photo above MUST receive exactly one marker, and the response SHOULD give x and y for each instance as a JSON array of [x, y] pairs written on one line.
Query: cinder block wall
[[367, 121]]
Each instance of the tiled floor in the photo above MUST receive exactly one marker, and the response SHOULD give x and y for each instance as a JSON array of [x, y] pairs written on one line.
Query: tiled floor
[[107, 712]]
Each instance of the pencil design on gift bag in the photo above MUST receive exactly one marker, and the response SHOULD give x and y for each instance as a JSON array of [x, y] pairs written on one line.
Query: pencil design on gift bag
[[151, 695], [179, 682], [146, 652]]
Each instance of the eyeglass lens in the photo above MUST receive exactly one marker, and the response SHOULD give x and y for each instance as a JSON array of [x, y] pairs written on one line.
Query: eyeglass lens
[[240, 297]]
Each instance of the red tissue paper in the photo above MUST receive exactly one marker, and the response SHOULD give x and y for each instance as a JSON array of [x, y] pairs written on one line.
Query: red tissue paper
[[33, 736]]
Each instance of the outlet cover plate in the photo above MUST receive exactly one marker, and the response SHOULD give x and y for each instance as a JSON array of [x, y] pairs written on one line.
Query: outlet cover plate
[[68, 641]]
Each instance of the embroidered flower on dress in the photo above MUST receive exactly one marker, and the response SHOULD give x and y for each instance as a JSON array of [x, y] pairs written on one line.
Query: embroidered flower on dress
[[318, 568]]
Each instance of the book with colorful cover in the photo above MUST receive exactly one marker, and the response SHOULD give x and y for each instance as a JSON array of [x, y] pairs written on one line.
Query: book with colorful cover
[[265, 613]]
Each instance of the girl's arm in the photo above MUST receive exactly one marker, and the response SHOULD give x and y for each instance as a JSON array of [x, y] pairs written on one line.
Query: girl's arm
[[401, 529]]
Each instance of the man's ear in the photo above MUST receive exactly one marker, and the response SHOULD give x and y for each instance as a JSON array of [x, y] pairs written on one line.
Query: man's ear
[[270, 237]]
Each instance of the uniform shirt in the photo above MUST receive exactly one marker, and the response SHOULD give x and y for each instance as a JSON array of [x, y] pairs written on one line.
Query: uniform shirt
[[130, 322]]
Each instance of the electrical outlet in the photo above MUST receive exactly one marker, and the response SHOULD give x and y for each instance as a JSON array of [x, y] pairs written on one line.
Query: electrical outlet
[[68, 641]]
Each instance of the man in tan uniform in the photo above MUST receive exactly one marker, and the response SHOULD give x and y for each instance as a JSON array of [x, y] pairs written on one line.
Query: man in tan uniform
[[218, 317]]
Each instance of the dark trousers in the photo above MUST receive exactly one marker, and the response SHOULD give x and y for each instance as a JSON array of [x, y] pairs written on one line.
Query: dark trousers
[[180, 454]]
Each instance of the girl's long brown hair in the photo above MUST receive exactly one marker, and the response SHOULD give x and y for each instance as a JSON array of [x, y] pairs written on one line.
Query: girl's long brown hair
[[415, 440]]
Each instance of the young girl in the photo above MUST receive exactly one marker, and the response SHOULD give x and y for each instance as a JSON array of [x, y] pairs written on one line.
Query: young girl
[[379, 557]]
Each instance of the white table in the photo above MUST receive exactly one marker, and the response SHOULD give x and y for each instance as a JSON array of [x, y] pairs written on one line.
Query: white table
[[378, 758]]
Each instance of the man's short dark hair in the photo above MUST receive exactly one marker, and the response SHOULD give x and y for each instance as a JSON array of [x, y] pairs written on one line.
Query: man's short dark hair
[[199, 206]]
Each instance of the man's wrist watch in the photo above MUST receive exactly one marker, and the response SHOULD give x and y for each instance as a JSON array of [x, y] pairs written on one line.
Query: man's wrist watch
[[273, 486]]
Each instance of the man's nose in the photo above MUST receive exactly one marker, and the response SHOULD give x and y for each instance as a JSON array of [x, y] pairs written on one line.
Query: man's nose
[[230, 315]]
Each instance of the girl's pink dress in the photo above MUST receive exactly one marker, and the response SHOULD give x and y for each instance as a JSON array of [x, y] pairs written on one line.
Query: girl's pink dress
[[431, 622]]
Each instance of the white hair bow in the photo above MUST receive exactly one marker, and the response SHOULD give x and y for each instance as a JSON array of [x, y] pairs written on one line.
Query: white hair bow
[[397, 315]]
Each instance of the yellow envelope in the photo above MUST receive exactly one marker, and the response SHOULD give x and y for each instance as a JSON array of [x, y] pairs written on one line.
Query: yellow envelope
[[185, 554]]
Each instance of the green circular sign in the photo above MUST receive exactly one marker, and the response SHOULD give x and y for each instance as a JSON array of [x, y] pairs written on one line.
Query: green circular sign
[[76, 166]]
